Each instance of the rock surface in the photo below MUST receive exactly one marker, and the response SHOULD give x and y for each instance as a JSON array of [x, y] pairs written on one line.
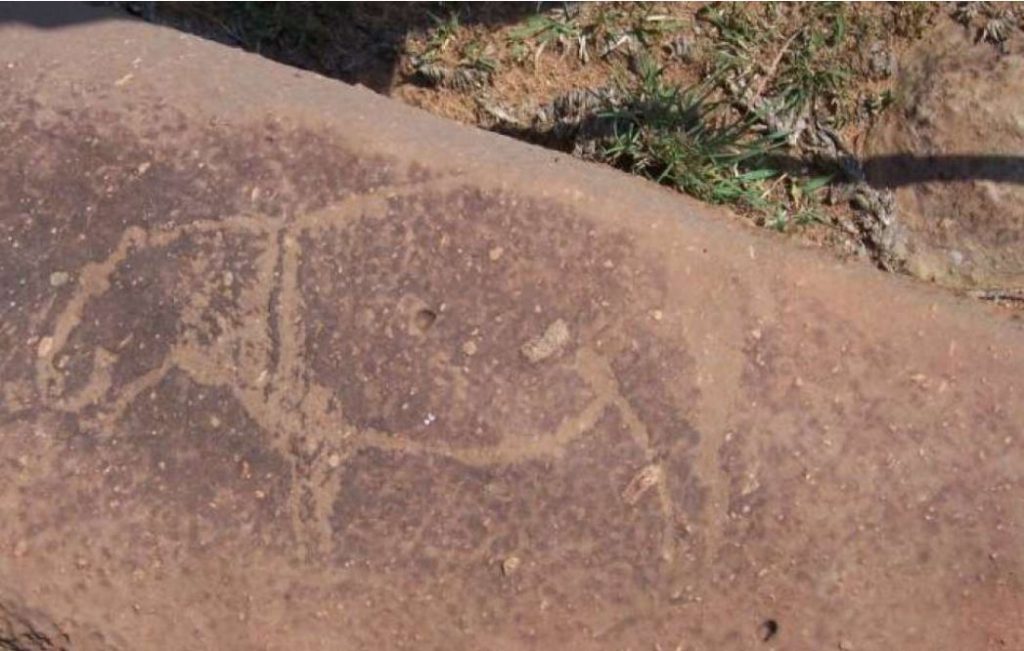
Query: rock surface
[[280, 399], [955, 147]]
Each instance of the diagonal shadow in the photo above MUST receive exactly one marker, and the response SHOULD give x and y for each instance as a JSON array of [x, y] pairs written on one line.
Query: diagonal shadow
[[50, 15], [356, 42], [881, 172], [897, 170]]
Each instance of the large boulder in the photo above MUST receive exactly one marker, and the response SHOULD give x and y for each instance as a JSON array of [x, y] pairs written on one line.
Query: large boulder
[[286, 365], [953, 147]]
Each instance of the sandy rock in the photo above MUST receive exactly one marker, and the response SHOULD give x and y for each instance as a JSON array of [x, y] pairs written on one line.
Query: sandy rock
[[253, 422], [547, 345]]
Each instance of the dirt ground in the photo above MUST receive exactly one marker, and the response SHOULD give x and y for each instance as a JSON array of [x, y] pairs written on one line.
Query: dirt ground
[[796, 89], [952, 153]]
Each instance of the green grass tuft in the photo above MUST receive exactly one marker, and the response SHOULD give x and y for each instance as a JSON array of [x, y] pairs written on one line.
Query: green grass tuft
[[686, 139]]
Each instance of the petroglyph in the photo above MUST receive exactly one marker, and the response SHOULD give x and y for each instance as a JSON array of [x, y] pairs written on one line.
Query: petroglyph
[[241, 325], [250, 402]]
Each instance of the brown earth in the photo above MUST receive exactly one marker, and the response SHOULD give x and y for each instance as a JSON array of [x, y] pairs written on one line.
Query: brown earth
[[286, 365], [956, 152]]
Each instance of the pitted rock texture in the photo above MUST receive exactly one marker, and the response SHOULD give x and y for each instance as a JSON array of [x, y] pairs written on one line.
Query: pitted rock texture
[[303, 386]]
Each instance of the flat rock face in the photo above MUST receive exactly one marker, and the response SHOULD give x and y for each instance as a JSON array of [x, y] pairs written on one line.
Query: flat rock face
[[959, 135], [287, 366]]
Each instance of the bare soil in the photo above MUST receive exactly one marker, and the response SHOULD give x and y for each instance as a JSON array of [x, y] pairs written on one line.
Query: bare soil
[[954, 152]]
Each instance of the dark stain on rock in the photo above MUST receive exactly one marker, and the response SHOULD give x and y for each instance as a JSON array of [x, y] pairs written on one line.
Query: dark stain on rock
[[495, 270], [195, 450], [157, 295], [185, 465], [657, 377], [574, 539], [687, 491], [71, 183]]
